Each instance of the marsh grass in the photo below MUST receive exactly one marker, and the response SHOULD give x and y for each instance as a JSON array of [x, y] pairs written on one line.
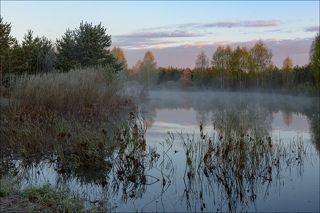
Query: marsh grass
[[121, 168], [79, 122], [81, 92], [72, 117], [47, 198], [37, 199], [7, 186], [234, 167]]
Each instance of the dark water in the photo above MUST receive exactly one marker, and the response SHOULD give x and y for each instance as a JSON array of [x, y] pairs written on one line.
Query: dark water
[[207, 152]]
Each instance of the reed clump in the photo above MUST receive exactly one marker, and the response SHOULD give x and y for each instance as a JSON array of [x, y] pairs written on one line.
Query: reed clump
[[236, 165], [80, 92], [74, 116]]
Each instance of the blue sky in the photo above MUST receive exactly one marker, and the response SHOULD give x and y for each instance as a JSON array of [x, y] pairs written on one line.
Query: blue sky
[[137, 26]]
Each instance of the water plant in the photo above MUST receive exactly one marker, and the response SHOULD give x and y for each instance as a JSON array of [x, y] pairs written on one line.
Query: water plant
[[232, 168]]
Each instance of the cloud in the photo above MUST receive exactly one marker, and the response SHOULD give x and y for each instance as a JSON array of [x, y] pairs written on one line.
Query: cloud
[[141, 42], [219, 24], [261, 23], [184, 55], [312, 29], [256, 23], [200, 44], [163, 36], [223, 24], [150, 35], [145, 39]]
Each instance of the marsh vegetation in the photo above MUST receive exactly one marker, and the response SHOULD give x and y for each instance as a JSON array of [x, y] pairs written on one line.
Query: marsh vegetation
[[80, 131], [228, 157]]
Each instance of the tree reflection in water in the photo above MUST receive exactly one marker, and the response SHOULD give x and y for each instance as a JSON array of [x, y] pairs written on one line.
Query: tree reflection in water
[[231, 166]]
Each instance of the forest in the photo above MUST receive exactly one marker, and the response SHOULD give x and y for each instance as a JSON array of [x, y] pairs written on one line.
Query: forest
[[241, 68]]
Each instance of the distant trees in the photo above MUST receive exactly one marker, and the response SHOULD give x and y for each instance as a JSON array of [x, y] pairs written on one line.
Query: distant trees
[[86, 46], [230, 64], [186, 77], [145, 71], [222, 58], [167, 74], [201, 66], [222, 62], [243, 68], [202, 60], [287, 64], [259, 57], [239, 65], [315, 59], [238, 68], [119, 55], [287, 67], [149, 69], [234, 68], [240, 60]]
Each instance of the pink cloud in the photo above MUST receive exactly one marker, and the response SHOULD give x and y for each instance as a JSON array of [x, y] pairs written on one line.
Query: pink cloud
[[267, 23], [200, 44]]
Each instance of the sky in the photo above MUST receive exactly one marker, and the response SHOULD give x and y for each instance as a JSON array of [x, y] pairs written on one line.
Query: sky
[[176, 31]]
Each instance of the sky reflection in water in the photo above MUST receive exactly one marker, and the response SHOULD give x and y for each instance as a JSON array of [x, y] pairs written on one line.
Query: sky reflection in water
[[255, 152]]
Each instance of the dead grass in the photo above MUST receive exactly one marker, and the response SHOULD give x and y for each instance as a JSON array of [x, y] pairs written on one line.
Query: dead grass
[[77, 91], [81, 110]]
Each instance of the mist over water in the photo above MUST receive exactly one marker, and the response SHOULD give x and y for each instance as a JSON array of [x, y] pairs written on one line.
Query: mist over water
[[284, 118], [204, 151]]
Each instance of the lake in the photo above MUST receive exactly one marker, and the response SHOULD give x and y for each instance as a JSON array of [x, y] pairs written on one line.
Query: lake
[[206, 151]]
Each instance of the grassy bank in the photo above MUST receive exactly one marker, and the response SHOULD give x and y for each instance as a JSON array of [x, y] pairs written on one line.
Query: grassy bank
[[37, 199]]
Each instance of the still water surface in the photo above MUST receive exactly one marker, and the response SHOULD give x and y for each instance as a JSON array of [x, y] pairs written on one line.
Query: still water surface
[[185, 168]]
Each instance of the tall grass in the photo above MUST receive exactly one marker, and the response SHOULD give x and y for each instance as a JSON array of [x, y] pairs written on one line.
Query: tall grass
[[77, 113], [236, 167], [77, 91]]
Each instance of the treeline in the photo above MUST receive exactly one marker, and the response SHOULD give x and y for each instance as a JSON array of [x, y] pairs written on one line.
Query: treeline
[[299, 79], [240, 68], [86, 46], [243, 68], [89, 46]]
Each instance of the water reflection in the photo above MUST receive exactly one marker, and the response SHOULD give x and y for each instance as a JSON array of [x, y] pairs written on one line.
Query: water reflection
[[224, 173], [238, 111], [229, 164], [315, 130], [236, 168]]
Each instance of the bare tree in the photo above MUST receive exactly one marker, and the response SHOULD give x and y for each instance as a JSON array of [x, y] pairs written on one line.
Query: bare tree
[[202, 60]]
